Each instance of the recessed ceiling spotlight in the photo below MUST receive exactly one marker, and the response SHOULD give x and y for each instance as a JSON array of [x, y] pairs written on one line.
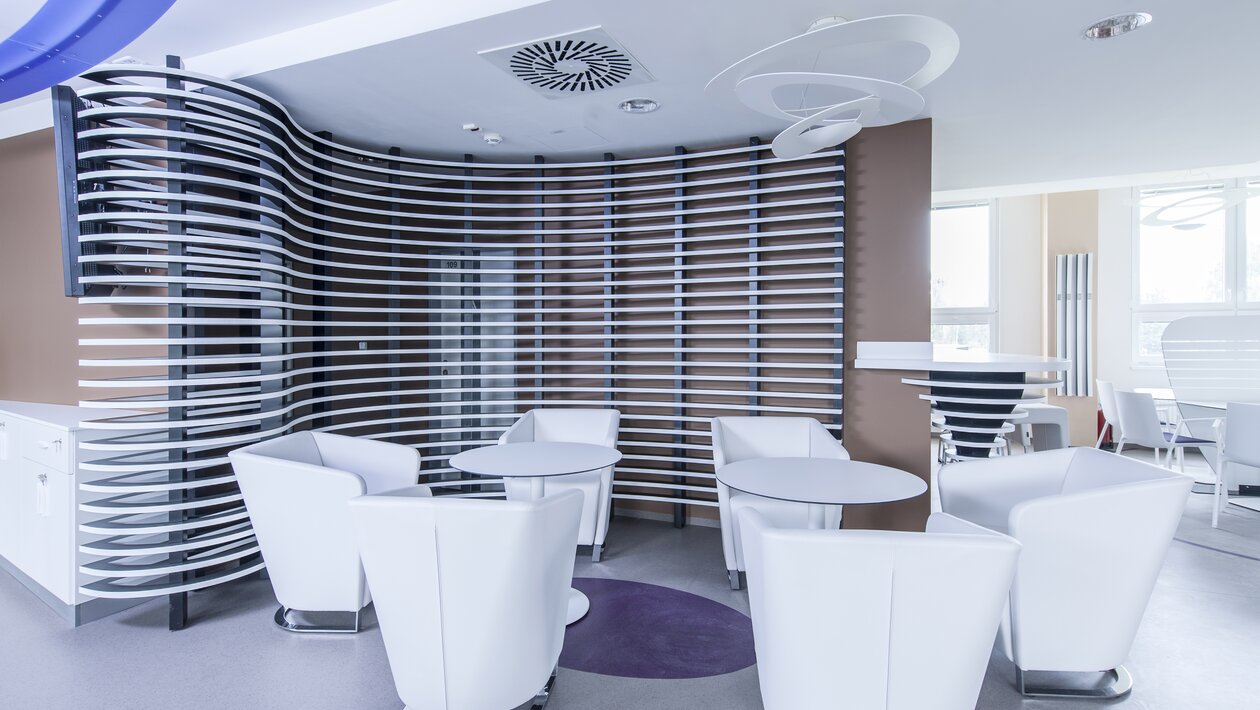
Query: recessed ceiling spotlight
[[1117, 25], [639, 105]]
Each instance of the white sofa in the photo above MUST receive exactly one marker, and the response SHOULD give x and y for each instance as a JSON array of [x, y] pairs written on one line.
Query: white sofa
[[583, 426], [295, 489], [1095, 527], [740, 438], [471, 594], [875, 620]]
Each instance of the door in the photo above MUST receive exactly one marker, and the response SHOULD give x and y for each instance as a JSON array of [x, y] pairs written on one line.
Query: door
[[45, 516]]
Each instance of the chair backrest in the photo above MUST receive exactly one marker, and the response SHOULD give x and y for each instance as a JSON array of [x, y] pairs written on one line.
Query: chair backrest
[[1091, 556], [470, 594], [1242, 433], [295, 490], [740, 438], [576, 425], [1107, 400], [1139, 419], [875, 620]]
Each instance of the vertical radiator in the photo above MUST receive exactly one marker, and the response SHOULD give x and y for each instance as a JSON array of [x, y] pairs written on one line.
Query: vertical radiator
[[1074, 297]]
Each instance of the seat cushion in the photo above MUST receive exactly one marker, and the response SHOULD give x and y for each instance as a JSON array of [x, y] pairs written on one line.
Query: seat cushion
[[779, 513], [1187, 440], [588, 483]]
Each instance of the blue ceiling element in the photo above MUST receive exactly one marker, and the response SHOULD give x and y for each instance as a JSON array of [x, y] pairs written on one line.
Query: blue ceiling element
[[68, 37]]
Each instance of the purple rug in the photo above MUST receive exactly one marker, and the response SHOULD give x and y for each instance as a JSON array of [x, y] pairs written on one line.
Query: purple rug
[[637, 630]]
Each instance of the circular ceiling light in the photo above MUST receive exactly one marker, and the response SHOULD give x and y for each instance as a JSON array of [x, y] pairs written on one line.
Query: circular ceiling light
[[1117, 25], [639, 105]]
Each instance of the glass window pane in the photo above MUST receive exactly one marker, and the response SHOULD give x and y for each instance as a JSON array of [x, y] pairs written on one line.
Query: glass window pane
[[1182, 246], [960, 257], [1149, 343], [969, 335], [1252, 268]]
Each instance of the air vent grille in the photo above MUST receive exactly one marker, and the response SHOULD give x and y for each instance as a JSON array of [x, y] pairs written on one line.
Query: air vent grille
[[574, 63]]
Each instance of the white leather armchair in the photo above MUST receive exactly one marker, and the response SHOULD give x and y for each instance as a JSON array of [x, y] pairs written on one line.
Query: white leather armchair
[[582, 426], [1095, 527], [471, 594], [739, 438], [875, 620], [295, 488]]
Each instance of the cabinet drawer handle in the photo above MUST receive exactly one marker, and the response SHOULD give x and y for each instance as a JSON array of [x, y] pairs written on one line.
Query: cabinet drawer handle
[[50, 444]]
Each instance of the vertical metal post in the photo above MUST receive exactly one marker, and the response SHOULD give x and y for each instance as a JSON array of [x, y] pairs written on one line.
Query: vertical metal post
[[610, 380], [838, 310], [319, 331], [754, 276], [680, 249], [469, 328], [540, 213], [394, 331], [176, 332]]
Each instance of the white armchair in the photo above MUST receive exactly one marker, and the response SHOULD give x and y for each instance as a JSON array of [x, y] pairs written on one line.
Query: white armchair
[[1095, 527], [875, 620], [740, 438], [471, 594], [295, 488], [582, 426]]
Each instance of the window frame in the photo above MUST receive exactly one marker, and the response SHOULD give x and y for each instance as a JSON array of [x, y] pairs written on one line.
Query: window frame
[[988, 314], [1235, 257]]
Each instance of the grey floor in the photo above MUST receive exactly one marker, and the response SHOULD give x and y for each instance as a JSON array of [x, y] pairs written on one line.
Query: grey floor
[[1197, 649]]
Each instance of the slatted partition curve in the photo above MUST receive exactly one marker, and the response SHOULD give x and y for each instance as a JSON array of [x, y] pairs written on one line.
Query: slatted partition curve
[[261, 279]]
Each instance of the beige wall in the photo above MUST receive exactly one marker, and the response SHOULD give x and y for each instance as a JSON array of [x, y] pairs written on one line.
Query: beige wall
[[1071, 227], [887, 281], [38, 324]]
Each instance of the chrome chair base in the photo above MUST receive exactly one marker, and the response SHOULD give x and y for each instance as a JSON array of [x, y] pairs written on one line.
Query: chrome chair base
[[1120, 685], [540, 700], [736, 578], [282, 620]]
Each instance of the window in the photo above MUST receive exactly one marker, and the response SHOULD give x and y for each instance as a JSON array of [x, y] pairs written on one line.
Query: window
[[964, 311], [1197, 251]]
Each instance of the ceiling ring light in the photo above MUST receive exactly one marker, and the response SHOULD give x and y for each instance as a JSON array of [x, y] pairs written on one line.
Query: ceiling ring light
[[747, 84], [68, 37]]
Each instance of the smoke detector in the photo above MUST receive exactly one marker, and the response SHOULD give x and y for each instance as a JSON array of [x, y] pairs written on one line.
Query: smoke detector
[[579, 62]]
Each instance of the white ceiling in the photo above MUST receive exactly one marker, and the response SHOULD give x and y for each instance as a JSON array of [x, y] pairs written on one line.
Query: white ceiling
[[1028, 100]]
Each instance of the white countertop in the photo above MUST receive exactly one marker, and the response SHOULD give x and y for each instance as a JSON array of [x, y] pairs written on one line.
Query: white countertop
[[945, 358], [62, 416]]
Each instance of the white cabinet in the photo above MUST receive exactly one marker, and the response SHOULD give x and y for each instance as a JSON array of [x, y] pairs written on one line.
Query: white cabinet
[[39, 502]]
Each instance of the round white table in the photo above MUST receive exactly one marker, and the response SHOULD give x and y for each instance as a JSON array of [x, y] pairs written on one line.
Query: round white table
[[821, 482], [536, 461]]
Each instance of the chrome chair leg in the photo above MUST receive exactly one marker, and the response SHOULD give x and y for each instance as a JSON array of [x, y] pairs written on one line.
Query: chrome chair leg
[[540, 700], [734, 576], [282, 620], [1120, 684], [597, 551]]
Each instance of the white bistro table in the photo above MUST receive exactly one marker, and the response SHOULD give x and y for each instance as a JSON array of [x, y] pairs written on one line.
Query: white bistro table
[[821, 482], [536, 461]]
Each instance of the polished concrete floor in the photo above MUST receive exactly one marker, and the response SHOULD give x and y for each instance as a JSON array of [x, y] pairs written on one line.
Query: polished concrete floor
[[1198, 648]]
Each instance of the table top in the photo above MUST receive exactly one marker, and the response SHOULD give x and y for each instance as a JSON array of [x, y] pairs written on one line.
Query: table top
[[945, 358], [535, 458], [821, 481]]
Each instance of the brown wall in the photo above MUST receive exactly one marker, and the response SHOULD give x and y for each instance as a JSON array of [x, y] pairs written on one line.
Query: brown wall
[[38, 324], [1071, 227], [888, 198]]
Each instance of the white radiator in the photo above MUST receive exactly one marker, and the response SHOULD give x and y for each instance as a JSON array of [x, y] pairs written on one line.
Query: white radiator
[[1074, 296]]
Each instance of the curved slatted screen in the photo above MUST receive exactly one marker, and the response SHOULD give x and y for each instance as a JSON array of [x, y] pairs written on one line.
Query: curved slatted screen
[[249, 278]]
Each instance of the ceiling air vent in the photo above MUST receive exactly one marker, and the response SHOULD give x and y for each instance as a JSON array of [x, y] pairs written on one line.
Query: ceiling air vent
[[575, 63]]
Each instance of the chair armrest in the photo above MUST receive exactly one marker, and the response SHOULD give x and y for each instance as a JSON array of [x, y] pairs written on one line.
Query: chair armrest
[[521, 431], [382, 465], [951, 525], [614, 428], [823, 445]]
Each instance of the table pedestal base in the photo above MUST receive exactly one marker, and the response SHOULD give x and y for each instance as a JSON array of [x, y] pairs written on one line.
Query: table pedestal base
[[578, 606]]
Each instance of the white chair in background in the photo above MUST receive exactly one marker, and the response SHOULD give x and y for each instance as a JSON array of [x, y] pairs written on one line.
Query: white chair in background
[[1240, 445], [1140, 422], [875, 620], [1111, 416], [1046, 426], [740, 438], [470, 594], [1094, 528], [295, 489], [581, 426]]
